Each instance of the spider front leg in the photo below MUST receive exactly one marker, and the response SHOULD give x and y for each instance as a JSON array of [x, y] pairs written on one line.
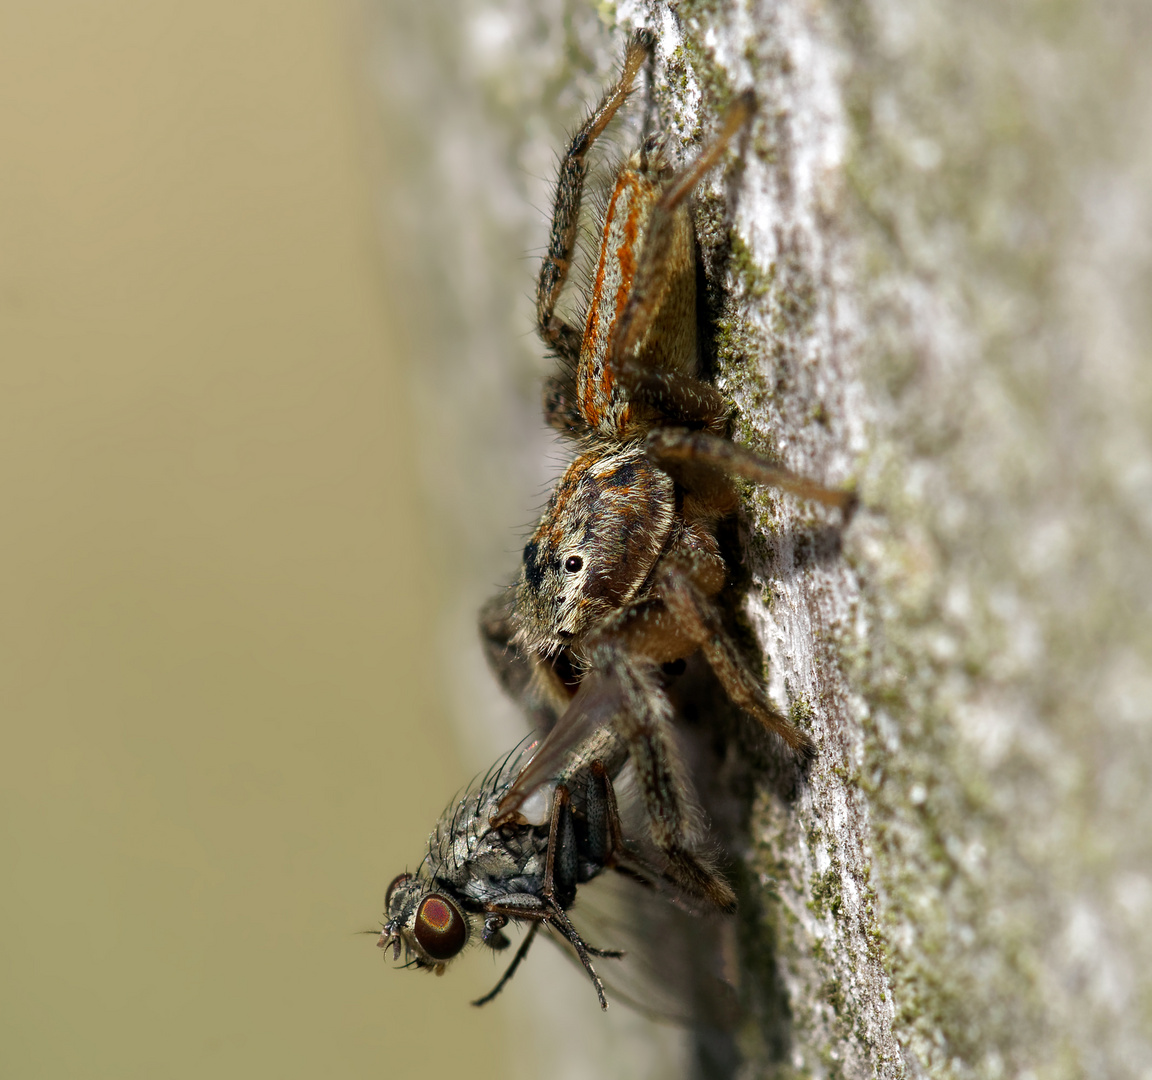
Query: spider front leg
[[557, 334], [536, 684], [623, 652]]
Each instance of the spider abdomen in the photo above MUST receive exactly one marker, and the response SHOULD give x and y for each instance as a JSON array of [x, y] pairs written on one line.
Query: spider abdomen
[[670, 343]]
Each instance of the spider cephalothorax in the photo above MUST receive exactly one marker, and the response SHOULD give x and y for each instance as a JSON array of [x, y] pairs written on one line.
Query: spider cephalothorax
[[621, 574], [606, 525]]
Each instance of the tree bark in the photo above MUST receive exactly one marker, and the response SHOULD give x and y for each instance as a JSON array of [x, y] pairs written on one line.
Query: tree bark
[[928, 273]]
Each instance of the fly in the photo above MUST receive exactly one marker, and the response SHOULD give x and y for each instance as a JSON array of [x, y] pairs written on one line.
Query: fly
[[478, 877]]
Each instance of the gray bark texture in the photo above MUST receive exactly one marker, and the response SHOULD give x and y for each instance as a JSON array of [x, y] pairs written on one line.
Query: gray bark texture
[[931, 271]]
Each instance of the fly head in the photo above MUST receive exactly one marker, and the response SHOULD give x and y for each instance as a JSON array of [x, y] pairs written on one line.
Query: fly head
[[429, 924]]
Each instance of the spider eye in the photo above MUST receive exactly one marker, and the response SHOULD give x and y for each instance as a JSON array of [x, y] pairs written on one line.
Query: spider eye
[[573, 563], [440, 928], [399, 879]]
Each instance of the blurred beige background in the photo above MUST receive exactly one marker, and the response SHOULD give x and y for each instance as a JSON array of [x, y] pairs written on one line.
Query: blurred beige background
[[219, 699]]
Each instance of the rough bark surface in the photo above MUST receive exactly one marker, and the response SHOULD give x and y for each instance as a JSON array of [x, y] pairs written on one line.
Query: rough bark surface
[[929, 271]]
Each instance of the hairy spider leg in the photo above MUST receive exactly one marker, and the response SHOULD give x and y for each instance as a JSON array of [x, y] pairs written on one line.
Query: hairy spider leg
[[672, 447], [557, 334]]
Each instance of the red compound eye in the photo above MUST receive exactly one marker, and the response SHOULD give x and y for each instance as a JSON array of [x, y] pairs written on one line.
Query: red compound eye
[[440, 928], [398, 880]]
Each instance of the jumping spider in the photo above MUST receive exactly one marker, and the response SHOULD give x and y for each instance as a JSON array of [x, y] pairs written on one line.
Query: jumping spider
[[621, 574]]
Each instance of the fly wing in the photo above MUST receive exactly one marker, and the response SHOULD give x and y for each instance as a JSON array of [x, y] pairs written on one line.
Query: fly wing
[[682, 964], [570, 744], [678, 968]]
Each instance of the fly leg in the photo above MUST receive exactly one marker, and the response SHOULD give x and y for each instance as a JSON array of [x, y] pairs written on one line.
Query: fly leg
[[538, 910], [605, 843], [521, 952], [562, 863], [561, 872], [605, 840], [561, 869]]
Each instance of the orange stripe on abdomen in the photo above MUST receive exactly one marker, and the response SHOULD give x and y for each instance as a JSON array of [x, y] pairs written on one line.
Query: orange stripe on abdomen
[[616, 266]]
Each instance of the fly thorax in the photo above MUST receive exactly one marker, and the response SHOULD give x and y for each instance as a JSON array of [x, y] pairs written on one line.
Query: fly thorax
[[502, 855], [600, 536]]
